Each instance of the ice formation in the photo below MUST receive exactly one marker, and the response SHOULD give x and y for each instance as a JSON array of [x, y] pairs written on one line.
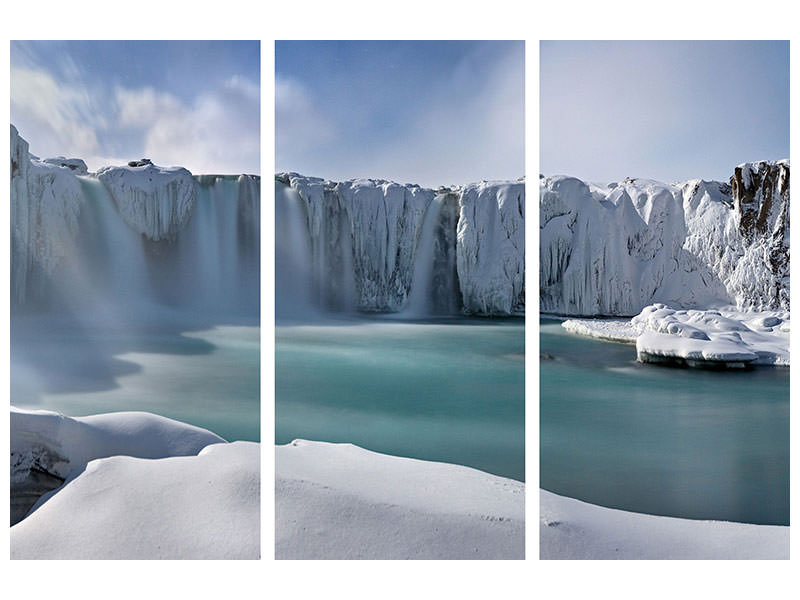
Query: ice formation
[[46, 202], [571, 529], [131, 237], [612, 250], [155, 201], [378, 246], [337, 501], [697, 338]]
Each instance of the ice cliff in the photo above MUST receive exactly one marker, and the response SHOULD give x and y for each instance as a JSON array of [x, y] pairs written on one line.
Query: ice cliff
[[612, 250], [378, 246], [132, 236]]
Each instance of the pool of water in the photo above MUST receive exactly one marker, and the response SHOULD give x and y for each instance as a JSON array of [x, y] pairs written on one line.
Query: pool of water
[[666, 441], [208, 375], [450, 390]]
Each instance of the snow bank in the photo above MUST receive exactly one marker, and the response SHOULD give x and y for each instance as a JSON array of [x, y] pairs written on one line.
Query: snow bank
[[705, 337], [612, 250], [365, 239], [77, 165], [47, 447], [571, 529], [338, 501], [186, 507], [155, 201]]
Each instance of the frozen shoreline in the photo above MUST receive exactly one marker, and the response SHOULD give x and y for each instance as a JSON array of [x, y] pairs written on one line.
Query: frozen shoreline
[[571, 529], [339, 501]]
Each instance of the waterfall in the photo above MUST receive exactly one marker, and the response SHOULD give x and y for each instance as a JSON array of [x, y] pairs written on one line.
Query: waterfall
[[421, 301], [380, 247]]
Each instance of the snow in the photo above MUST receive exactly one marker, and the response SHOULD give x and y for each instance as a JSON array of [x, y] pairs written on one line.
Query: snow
[[182, 507], [50, 445], [571, 529], [155, 201], [610, 330], [340, 501], [364, 236], [77, 165], [694, 337], [709, 336], [612, 250], [491, 247]]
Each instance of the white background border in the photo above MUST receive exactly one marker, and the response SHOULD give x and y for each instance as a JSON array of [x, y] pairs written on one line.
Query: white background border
[[412, 19]]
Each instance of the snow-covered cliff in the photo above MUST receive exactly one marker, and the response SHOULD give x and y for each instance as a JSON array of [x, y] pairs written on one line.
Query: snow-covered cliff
[[612, 250], [131, 237], [378, 246], [46, 201], [155, 201]]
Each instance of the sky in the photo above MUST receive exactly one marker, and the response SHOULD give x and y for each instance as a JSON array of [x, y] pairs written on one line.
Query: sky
[[192, 104], [432, 113], [669, 111]]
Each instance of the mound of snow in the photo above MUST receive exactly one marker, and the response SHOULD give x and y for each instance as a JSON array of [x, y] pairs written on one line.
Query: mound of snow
[[154, 201], [185, 507], [712, 336], [571, 529], [339, 501], [77, 165], [47, 447]]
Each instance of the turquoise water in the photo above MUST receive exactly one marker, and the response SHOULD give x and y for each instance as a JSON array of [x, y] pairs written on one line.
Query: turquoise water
[[450, 390], [677, 442], [208, 376]]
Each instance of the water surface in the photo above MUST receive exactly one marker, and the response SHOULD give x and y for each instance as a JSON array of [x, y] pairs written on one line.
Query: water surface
[[666, 441], [447, 390]]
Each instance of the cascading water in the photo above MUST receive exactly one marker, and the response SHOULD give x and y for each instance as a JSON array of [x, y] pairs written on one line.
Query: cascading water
[[421, 300]]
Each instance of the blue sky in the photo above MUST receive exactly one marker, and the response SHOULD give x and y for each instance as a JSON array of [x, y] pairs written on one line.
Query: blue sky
[[194, 104], [662, 110], [433, 113]]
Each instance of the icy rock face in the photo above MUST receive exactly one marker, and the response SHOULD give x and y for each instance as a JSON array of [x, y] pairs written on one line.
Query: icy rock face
[[46, 202], [613, 250], [365, 230], [369, 240], [761, 209], [491, 247], [155, 201]]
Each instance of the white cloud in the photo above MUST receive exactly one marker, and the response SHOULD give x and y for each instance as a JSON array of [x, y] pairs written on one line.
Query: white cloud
[[217, 132], [54, 115]]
